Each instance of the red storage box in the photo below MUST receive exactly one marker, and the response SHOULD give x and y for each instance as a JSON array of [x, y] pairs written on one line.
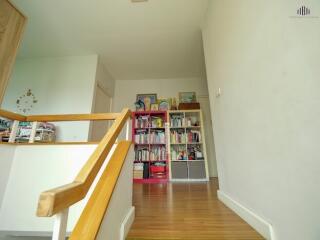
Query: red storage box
[[157, 169]]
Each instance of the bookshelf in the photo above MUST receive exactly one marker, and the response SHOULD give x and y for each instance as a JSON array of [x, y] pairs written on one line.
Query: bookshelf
[[150, 146], [186, 146], [26, 132]]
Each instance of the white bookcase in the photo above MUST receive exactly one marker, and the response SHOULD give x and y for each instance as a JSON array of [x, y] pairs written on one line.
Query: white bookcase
[[186, 146]]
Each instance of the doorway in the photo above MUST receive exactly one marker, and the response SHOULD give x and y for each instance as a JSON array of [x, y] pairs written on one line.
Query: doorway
[[102, 104], [207, 122]]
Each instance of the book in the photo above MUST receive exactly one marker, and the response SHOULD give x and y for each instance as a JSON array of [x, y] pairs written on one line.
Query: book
[[157, 136], [177, 136]]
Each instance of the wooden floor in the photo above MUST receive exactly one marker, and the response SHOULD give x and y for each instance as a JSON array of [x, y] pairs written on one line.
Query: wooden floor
[[185, 211]]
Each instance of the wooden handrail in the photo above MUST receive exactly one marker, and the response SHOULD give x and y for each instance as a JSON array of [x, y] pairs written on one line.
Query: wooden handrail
[[72, 117], [12, 116], [58, 199], [58, 118], [91, 218]]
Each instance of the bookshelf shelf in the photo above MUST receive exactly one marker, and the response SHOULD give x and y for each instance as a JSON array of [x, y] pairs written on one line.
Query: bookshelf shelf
[[150, 128], [186, 146], [190, 127], [149, 136], [187, 160]]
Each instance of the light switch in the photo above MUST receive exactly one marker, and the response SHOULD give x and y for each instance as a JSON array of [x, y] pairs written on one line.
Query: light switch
[[218, 94]]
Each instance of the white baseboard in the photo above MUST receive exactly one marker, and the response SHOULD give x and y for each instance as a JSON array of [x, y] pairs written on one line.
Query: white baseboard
[[126, 224], [255, 221]]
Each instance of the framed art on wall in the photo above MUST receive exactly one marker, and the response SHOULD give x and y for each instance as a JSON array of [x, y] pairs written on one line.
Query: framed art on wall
[[164, 104], [187, 97], [147, 99], [154, 107]]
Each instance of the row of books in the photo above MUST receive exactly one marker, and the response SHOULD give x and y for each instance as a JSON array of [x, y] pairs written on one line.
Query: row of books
[[146, 122], [181, 121], [138, 170], [155, 137], [156, 153], [142, 122], [141, 154], [177, 121], [194, 136], [195, 153], [45, 132], [192, 153], [179, 153], [5, 129], [141, 137], [177, 136]]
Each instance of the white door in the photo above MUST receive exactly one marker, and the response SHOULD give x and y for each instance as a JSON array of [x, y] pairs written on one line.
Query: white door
[[102, 105], [207, 122]]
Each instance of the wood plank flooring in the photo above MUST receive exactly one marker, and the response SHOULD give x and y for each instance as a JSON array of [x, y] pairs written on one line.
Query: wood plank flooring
[[185, 211]]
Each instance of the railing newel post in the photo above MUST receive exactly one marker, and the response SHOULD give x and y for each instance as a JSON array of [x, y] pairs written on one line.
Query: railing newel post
[[33, 132], [128, 130], [14, 130], [60, 225]]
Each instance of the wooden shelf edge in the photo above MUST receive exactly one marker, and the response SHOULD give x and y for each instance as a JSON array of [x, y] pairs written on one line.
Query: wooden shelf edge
[[48, 144]]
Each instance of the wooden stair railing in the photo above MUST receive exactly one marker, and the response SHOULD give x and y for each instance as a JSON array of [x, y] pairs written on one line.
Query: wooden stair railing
[[55, 200], [12, 116], [58, 200], [89, 223]]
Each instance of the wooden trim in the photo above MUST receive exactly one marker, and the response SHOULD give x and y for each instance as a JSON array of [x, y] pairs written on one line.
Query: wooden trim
[[55, 200], [58, 118], [14, 44], [12, 116], [72, 117], [90, 220], [49, 143], [103, 89], [17, 9], [182, 111]]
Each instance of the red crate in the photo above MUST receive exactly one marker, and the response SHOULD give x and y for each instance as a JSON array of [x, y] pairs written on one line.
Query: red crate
[[157, 169]]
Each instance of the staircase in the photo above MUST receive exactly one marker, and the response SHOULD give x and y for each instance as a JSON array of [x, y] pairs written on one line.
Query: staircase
[[95, 197]]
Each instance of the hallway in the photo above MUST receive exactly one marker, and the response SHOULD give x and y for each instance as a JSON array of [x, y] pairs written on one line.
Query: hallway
[[185, 211]]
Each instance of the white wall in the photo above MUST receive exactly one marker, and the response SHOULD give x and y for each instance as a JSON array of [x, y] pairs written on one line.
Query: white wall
[[63, 85], [126, 90], [36, 169], [102, 101], [267, 120], [120, 213], [30, 175], [6, 158], [105, 79]]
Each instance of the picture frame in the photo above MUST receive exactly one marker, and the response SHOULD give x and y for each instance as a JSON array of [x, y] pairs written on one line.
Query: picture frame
[[147, 99], [164, 104], [154, 107], [187, 97]]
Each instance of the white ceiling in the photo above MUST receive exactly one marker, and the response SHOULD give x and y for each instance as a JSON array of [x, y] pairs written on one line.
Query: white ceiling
[[155, 39]]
